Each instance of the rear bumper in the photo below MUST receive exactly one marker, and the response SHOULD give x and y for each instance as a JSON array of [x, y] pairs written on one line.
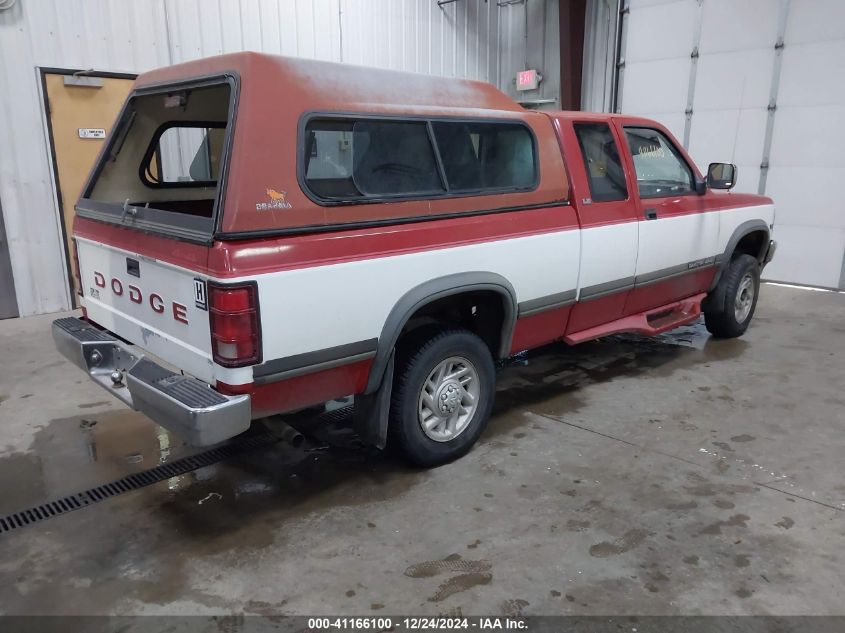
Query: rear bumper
[[179, 403]]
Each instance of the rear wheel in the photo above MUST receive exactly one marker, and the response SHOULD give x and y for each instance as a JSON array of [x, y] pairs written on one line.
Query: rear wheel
[[442, 395], [741, 286]]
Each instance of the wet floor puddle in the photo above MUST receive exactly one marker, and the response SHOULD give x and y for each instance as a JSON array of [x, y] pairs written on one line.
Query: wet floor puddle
[[79, 452], [71, 454]]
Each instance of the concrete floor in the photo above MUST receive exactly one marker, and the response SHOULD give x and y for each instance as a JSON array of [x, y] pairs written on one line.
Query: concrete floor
[[678, 475]]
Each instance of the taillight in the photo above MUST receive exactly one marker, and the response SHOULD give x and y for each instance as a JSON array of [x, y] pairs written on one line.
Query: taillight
[[235, 326], [75, 265]]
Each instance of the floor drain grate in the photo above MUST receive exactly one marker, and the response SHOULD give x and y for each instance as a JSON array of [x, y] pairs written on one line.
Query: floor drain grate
[[48, 510]]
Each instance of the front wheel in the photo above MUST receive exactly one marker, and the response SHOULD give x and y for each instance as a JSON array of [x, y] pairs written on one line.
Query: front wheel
[[741, 286], [442, 395]]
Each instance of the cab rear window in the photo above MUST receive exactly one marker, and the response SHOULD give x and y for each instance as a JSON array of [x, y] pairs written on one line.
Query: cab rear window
[[349, 160], [185, 155]]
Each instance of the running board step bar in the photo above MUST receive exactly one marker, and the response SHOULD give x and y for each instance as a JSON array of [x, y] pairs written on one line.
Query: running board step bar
[[651, 322]]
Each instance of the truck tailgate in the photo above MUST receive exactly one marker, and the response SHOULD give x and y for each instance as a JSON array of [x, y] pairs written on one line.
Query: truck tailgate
[[149, 303]]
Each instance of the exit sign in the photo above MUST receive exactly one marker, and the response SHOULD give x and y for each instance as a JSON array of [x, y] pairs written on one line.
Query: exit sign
[[527, 80]]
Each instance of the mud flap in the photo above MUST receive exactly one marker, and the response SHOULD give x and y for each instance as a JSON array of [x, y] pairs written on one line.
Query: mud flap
[[715, 300], [372, 411]]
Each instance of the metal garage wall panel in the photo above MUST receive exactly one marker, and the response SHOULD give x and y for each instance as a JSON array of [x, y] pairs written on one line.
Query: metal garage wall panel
[[813, 21], [807, 255], [806, 168], [730, 109], [71, 33], [811, 204], [730, 135], [734, 80], [455, 40], [733, 85], [812, 74], [657, 86], [460, 39], [659, 39], [728, 25], [660, 32], [231, 27]]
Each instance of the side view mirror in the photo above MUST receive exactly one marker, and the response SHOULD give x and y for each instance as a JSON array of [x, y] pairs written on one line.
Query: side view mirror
[[721, 175]]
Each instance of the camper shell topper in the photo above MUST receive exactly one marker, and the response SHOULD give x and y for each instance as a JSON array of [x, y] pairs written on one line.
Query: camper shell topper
[[302, 145]]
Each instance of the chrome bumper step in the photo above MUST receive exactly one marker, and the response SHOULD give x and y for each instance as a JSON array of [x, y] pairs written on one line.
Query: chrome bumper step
[[182, 404]]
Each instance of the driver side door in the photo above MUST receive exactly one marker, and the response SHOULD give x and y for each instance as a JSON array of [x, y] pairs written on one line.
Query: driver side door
[[677, 236]]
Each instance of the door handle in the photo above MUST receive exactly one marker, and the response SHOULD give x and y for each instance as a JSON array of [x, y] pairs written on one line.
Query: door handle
[[651, 214]]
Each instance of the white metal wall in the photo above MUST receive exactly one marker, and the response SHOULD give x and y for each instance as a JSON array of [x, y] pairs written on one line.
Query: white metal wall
[[722, 101], [460, 39], [530, 39]]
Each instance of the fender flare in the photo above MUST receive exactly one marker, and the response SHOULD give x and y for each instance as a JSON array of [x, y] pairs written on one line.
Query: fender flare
[[723, 260], [432, 290], [715, 299]]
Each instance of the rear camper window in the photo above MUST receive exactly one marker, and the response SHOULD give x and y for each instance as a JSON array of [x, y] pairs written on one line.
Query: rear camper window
[[362, 160], [164, 161]]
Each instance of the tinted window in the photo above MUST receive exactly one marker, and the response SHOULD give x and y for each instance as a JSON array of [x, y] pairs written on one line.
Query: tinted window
[[361, 159], [478, 156], [602, 162], [661, 171]]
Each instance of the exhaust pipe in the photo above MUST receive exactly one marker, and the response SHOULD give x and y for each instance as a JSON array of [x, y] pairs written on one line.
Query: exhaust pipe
[[286, 433]]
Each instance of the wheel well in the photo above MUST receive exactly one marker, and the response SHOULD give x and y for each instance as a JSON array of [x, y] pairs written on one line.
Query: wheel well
[[479, 311], [751, 244]]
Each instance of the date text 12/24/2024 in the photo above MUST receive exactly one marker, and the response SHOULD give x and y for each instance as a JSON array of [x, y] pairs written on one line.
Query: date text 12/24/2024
[[415, 623]]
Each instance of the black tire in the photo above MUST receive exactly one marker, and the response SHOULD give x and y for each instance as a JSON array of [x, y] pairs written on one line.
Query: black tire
[[722, 322], [416, 358]]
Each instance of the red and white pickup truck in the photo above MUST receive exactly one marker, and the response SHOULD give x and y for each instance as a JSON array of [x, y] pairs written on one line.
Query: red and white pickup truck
[[263, 234]]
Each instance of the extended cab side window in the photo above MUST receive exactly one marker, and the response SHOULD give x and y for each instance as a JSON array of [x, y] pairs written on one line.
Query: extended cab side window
[[601, 160], [349, 159], [661, 170]]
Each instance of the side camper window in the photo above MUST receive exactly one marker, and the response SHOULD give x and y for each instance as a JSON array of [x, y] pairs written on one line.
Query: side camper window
[[348, 160], [486, 156]]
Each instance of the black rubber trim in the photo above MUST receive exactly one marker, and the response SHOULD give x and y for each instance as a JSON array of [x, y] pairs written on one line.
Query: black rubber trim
[[366, 224], [185, 389], [549, 302], [82, 331], [310, 362], [750, 226], [603, 289], [674, 271], [432, 290]]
